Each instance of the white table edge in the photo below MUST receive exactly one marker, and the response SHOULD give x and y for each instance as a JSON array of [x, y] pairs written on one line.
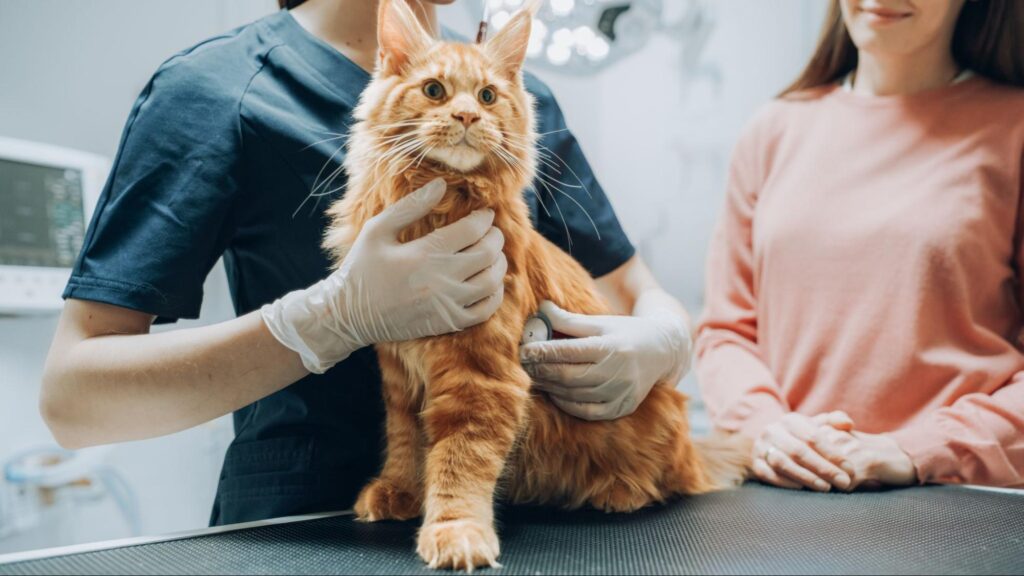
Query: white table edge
[[141, 540]]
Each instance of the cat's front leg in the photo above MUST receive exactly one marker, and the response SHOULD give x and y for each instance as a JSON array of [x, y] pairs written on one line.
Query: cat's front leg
[[397, 494], [475, 410]]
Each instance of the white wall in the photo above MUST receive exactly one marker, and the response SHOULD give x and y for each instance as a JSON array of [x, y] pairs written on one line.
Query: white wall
[[70, 70]]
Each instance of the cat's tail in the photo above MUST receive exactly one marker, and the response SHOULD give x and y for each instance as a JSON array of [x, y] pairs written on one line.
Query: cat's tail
[[726, 458]]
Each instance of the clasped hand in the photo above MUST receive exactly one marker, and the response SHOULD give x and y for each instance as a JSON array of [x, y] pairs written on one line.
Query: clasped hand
[[825, 452]]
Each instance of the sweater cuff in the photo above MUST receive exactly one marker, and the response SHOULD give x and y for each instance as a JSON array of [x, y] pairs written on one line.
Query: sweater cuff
[[931, 455]]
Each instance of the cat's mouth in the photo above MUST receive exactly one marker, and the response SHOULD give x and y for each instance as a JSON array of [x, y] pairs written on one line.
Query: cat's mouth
[[462, 156]]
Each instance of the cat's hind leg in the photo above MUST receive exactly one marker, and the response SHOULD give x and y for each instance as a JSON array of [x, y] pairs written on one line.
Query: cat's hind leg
[[397, 494], [621, 495]]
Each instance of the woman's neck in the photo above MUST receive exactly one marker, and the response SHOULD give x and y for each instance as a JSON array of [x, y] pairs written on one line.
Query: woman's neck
[[350, 26], [887, 75]]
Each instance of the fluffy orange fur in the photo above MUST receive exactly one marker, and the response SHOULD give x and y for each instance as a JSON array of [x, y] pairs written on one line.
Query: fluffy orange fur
[[461, 416]]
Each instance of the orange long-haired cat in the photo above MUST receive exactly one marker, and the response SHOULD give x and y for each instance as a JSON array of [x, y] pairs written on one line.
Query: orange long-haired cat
[[460, 412]]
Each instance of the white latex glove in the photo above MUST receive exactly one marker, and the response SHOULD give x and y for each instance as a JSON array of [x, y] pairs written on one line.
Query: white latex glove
[[387, 291], [610, 365]]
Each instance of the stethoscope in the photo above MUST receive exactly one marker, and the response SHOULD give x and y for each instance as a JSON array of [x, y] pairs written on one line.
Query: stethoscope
[[537, 329]]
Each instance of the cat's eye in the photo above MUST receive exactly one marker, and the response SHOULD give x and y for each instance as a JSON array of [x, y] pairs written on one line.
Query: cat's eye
[[434, 90], [488, 95]]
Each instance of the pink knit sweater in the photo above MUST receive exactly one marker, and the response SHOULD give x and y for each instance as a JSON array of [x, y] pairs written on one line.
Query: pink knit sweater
[[869, 259]]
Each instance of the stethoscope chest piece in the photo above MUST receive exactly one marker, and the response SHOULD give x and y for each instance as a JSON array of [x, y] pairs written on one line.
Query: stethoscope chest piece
[[537, 329]]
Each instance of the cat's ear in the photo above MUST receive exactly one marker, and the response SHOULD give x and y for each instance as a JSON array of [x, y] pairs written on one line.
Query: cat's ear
[[508, 46], [400, 36]]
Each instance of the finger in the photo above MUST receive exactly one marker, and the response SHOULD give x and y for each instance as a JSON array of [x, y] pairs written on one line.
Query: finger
[[838, 419], [610, 391], [787, 468], [584, 410], [566, 351], [576, 325], [477, 257], [483, 284], [481, 311], [808, 432], [831, 444], [796, 445], [409, 209], [461, 234], [568, 375], [764, 473]]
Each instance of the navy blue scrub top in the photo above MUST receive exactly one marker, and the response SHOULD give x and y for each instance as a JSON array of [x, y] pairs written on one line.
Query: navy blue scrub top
[[218, 158]]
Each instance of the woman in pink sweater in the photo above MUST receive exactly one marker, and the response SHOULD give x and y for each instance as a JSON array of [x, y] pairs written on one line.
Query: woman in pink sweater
[[864, 290]]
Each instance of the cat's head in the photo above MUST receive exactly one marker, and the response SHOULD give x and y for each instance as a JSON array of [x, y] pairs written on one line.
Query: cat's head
[[461, 105]]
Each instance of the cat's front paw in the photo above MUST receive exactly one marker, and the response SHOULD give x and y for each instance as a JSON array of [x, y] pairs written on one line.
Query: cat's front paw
[[459, 544], [381, 499]]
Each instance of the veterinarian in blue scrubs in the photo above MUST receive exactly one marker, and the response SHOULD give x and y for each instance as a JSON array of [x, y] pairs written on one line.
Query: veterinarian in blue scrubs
[[225, 154]]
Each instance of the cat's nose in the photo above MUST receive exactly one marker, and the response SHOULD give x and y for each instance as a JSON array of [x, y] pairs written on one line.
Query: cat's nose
[[467, 118]]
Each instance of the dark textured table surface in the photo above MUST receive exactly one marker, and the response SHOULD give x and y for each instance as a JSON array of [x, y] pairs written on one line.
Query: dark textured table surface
[[754, 530]]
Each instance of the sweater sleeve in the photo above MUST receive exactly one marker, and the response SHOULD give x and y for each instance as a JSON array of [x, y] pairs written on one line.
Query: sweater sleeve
[[979, 439], [739, 390]]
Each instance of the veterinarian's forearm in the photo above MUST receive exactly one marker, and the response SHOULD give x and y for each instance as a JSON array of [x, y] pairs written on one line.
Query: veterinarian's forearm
[[633, 289], [656, 302], [115, 388]]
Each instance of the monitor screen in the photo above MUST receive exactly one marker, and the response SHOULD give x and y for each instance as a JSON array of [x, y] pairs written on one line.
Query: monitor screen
[[42, 222]]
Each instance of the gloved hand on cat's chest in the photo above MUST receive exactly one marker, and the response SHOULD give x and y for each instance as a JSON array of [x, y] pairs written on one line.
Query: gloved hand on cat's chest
[[389, 291], [609, 364]]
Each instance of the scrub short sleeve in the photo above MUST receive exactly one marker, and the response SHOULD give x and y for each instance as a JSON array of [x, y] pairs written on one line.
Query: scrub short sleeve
[[574, 213], [164, 216]]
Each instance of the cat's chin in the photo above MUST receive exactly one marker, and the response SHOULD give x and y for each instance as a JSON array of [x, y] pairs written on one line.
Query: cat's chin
[[461, 158]]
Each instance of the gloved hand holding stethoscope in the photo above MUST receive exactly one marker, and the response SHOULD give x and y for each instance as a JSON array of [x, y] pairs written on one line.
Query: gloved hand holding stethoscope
[[610, 363]]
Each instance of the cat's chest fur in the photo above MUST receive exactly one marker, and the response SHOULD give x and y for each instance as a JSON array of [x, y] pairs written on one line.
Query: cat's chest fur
[[501, 333], [465, 194]]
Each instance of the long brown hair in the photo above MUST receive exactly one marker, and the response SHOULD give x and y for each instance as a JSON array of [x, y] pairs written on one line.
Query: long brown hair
[[989, 39]]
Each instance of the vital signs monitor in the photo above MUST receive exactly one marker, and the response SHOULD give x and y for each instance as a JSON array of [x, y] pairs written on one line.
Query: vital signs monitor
[[47, 195]]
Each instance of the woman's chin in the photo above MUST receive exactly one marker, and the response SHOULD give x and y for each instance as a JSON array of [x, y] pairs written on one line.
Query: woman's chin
[[461, 158]]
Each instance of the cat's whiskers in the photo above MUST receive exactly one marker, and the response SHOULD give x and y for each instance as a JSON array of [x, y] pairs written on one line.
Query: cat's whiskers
[[567, 166], [388, 150], [389, 161], [324, 187], [316, 181], [540, 134], [552, 185], [325, 140], [527, 146], [565, 224], [395, 149], [552, 179], [423, 155], [516, 165]]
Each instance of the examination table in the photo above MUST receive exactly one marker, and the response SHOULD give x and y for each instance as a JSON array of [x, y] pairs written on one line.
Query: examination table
[[755, 529]]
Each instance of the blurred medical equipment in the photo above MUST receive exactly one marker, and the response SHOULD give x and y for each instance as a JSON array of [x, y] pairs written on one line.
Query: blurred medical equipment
[[583, 36], [44, 487], [47, 195]]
